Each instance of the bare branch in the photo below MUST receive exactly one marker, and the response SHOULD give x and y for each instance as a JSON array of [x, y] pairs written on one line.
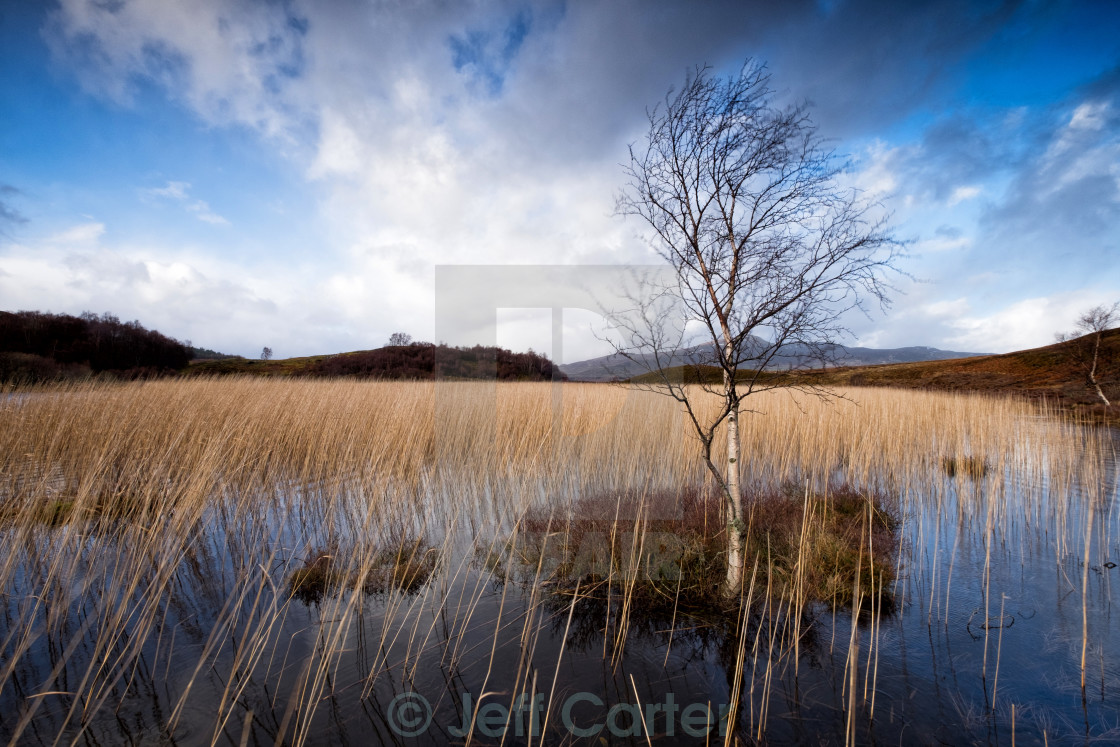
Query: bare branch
[[743, 202], [1085, 348]]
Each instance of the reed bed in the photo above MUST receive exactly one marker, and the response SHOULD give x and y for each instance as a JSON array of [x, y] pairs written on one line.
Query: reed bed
[[161, 540]]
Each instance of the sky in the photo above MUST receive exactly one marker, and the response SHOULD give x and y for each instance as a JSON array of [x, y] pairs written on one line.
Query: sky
[[291, 174]]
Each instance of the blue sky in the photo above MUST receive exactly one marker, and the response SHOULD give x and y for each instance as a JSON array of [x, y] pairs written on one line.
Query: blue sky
[[289, 174]]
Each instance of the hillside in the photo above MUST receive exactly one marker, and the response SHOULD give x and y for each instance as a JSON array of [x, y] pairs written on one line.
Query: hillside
[[1049, 372], [37, 346], [415, 361], [252, 367]]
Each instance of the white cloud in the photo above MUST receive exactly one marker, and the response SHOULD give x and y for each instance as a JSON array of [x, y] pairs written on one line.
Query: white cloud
[[1090, 115], [85, 233], [1024, 324], [960, 194], [951, 309], [955, 324], [340, 150], [229, 62], [174, 190], [1085, 146], [1060, 212], [181, 295], [179, 192], [944, 239], [877, 174], [235, 307], [203, 213], [415, 162]]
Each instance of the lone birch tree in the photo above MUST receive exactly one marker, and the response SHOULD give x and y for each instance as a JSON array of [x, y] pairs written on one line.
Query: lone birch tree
[[768, 249], [1085, 343]]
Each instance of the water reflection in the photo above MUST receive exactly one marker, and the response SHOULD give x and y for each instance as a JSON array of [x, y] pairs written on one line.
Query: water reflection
[[208, 644]]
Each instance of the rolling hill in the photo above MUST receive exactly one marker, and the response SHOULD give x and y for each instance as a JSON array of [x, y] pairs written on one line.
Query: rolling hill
[[43, 347], [414, 361], [1049, 372]]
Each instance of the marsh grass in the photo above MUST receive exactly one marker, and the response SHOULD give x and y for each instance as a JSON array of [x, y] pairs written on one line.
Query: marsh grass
[[819, 546], [56, 512], [158, 536], [662, 547], [315, 577], [406, 565], [969, 466], [667, 549]]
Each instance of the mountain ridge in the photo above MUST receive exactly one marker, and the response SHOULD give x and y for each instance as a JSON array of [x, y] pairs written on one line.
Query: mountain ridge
[[1055, 372], [617, 366]]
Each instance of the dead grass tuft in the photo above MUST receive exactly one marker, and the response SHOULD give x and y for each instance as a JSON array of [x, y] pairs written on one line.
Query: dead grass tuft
[[405, 566], [968, 466], [820, 546], [664, 549]]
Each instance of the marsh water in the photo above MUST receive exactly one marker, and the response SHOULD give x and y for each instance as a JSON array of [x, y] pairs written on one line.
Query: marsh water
[[984, 645]]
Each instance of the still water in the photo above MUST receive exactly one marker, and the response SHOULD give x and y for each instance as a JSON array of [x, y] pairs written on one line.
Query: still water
[[985, 645]]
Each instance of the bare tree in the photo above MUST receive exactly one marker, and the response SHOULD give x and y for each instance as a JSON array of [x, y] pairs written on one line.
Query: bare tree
[[768, 251], [266, 354], [400, 338], [1086, 341]]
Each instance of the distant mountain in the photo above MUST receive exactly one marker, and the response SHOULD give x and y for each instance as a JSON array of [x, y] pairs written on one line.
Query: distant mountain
[[916, 354], [616, 366], [1056, 373]]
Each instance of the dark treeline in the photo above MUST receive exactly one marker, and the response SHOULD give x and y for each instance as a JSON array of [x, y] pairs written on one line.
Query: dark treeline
[[36, 346], [39, 347], [423, 360], [206, 354]]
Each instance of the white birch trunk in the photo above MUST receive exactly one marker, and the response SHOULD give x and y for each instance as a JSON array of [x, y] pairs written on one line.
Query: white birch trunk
[[734, 582], [1093, 371]]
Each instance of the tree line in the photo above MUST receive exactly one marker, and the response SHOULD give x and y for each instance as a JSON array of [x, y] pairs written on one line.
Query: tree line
[[40, 346], [37, 346], [425, 360]]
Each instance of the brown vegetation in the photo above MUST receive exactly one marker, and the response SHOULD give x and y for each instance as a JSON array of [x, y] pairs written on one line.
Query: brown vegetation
[[415, 361], [1048, 372], [407, 566], [668, 549], [153, 524], [39, 347]]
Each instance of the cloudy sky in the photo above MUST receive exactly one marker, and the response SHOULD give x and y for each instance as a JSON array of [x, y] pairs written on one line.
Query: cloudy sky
[[290, 174]]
